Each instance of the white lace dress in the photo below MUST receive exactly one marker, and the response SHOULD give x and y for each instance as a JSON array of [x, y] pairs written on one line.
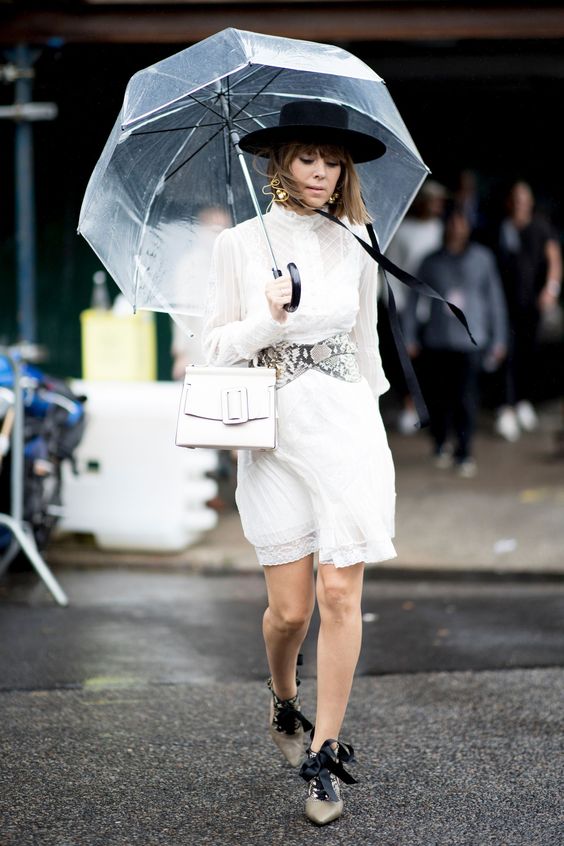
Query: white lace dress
[[329, 484]]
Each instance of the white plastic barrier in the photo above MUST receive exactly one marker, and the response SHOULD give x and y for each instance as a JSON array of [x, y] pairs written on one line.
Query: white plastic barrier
[[136, 489]]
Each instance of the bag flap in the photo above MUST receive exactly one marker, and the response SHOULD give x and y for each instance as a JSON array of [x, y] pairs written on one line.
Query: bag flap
[[235, 403]]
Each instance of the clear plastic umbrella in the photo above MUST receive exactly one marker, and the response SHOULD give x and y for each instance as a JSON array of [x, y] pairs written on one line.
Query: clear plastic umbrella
[[172, 158]]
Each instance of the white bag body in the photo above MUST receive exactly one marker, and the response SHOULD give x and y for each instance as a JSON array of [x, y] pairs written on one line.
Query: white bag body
[[228, 408]]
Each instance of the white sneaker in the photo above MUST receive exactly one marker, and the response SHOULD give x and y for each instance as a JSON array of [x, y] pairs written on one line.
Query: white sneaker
[[467, 469], [526, 415], [507, 425], [443, 459]]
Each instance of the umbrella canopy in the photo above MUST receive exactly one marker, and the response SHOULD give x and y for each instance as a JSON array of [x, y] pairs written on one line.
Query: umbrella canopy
[[170, 162]]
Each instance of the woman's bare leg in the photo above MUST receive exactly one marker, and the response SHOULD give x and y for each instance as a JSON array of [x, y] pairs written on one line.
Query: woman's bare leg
[[291, 600], [339, 593]]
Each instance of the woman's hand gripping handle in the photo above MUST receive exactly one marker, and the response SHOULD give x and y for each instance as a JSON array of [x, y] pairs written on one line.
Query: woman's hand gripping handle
[[283, 293]]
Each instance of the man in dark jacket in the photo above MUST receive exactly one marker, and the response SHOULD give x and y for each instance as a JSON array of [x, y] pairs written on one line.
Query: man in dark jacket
[[530, 262], [465, 273]]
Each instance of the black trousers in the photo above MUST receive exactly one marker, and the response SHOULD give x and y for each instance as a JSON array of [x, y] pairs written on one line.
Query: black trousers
[[521, 363], [450, 382]]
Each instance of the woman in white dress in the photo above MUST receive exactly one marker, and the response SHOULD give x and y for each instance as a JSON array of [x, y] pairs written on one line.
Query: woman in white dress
[[328, 487]]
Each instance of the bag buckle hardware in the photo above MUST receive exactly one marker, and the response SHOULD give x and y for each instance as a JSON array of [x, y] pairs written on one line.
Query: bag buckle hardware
[[234, 405]]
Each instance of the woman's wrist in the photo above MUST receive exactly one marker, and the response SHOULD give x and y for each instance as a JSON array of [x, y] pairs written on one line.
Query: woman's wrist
[[276, 323], [553, 287], [267, 330]]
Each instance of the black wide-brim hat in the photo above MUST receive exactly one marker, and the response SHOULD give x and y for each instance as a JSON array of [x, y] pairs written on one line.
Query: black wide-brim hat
[[314, 122]]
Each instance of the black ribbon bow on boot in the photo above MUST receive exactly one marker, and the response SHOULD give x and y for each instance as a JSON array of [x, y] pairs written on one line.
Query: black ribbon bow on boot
[[286, 717], [327, 761]]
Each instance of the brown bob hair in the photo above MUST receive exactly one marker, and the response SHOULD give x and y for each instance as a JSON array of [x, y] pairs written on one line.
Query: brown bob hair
[[349, 203]]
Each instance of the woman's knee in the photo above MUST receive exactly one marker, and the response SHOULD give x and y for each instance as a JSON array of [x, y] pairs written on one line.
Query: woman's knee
[[290, 618], [291, 595], [338, 598]]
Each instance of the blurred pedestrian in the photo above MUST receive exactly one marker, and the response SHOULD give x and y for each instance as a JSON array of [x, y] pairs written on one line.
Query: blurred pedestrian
[[420, 233], [466, 195], [530, 263], [191, 272], [465, 273]]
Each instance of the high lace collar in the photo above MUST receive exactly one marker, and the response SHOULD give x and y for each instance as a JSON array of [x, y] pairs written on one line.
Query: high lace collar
[[287, 217]]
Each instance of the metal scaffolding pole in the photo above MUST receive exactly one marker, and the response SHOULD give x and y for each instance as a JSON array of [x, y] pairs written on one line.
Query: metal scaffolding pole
[[25, 201], [23, 112], [22, 534]]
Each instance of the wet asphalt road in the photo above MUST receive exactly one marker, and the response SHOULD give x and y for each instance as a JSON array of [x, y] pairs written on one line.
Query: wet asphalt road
[[137, 715], [171, 627]]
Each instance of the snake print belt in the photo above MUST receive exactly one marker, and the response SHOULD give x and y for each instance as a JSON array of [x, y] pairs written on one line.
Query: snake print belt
[[335, 356]]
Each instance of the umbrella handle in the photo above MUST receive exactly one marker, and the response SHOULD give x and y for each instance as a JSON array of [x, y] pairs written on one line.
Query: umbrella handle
[[296, 286]]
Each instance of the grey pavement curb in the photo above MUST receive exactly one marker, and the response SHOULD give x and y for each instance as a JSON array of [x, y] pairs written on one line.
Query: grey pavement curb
[[156, 563]]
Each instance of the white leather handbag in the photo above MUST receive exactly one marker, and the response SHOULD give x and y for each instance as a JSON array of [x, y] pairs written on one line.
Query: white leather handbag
[[228, 408]]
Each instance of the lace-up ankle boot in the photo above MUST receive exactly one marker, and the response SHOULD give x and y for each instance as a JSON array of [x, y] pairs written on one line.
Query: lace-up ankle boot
[[324, 773], [288, 725]]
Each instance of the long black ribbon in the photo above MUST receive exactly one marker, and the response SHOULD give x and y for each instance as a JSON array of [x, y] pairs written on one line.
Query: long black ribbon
[[415, 284]]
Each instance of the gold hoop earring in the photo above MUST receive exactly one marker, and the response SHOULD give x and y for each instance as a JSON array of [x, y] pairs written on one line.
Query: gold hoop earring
[[334, 197], [279, 194]]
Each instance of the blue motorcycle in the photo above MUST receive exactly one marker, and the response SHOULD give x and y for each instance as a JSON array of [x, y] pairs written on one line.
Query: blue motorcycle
[[54, 421]]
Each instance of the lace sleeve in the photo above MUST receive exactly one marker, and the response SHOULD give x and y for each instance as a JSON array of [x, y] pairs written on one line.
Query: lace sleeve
[[229, 335], [365, 332]]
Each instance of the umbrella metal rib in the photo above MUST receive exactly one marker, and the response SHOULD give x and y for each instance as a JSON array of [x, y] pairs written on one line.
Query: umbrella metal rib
[[176, 128], [257, 93], [221, 123], [195, 153]]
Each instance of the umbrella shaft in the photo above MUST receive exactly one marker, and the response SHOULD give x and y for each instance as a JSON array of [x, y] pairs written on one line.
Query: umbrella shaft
[[234, 136], [248, 180]]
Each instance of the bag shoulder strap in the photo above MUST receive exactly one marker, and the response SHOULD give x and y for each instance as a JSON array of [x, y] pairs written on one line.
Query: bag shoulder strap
[[415, 284]]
